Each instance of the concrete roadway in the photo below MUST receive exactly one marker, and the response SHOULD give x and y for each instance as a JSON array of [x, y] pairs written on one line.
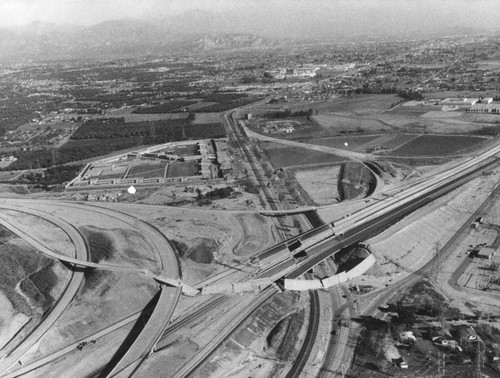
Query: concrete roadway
[[168, 297], [71, 290]]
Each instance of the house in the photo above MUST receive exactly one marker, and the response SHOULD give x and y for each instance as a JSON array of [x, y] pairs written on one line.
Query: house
[[467, 334], [451, 344], [407, 337]]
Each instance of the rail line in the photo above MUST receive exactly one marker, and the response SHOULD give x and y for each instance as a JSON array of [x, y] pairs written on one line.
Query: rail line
[[201, 356], [310, 339], [240, 139]]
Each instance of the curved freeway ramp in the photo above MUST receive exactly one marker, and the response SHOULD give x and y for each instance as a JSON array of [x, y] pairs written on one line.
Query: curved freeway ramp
[[76, 280], [49, 252], [167, 298]]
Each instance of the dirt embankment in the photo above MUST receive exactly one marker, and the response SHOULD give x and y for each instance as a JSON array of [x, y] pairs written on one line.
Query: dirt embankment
[[355, 181]]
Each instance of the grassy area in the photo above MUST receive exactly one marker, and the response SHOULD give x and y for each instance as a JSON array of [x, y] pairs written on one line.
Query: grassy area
[[185, 150], [182, 169], [437, 145], [285, 156], [163, 108], [416, 162], [362, 104], [147, 170], [354, 143]]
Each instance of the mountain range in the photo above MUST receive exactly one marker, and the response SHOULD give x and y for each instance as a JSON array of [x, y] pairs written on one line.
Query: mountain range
[[194, 31], [198, 31]]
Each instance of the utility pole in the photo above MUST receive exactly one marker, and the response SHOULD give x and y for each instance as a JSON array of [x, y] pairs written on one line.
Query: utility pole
[[478, 360], [441, 364]]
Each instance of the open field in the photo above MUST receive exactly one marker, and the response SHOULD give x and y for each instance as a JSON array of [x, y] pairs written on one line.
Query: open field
[[226, 236], [361, 104], [147, 170], [132, 117], [320, 183], [164, 108], [414, 111], [116, 173], [284, 156], [437, 145], [354, 143], [392, 141], [207, 118], [106, 296], [182, 169], [184, 150], [199, 105], [304, 127], [342, 124]]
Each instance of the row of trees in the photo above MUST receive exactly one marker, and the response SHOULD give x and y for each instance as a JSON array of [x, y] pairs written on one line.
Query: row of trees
[[50, 177], [288, 113], [101, 138]]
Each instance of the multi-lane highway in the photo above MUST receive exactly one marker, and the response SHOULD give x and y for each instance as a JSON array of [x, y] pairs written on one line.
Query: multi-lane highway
[[376, 217], [13, 354], [327, 240], [168, 297]]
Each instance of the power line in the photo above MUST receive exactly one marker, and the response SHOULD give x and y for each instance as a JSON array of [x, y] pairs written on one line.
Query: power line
[[441, 364], [478, 359]]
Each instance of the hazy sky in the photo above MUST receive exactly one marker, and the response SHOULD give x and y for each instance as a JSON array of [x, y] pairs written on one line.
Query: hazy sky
[[288, 14]]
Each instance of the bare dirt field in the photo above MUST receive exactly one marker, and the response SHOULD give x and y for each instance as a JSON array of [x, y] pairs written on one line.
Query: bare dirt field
[[47, 233], [207, 238], [320, 184]]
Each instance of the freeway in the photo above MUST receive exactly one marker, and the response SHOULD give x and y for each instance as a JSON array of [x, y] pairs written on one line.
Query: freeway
[[168, 298], [363, 230], [343, 352], [310, 338], [353, 230], [76, 280], [203, 354], [176, 325], [58, 256]]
